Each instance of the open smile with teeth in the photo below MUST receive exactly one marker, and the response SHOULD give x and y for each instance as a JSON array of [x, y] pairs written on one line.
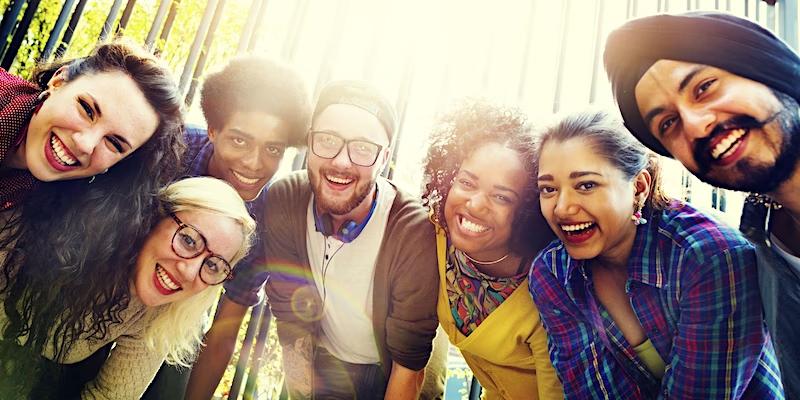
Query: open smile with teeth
[[244, 179], [165, 280], [472, 226], [729, 144], [339, 180], [63, 155], [572, 229]]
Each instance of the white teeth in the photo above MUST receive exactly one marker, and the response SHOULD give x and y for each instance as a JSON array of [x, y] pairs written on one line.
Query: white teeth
[[244, 179], [473, 227], [61, 154], [576, 227], [727, 145], [165, 280], [341, 181]]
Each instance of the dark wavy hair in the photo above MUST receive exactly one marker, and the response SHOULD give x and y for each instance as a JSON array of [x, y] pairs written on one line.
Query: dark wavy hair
[[612, 141], [457, 133], [71, 245], [255, 83]]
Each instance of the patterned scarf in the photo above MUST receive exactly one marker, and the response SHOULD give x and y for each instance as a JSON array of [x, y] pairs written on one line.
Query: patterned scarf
[[473, 295], [18, 98]]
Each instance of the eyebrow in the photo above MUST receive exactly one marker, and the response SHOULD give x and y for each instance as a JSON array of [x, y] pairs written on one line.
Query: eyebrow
[[573, 175], [252, 136], [648, 118]]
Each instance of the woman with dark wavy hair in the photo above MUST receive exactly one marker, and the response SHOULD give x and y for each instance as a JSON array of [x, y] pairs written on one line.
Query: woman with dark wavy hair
[[480, 186], [200, 230], [79, 118], [67, 237]]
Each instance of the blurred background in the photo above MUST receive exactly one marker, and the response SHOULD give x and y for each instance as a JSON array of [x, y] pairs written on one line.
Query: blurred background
[[543, 56]]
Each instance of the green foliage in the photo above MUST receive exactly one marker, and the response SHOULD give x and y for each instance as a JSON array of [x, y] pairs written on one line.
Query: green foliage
[[175, 50]]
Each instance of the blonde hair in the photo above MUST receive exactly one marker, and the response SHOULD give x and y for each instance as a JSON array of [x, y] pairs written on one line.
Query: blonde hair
[[177, 330]]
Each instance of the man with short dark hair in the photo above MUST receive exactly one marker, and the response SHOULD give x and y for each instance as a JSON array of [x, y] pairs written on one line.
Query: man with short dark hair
[[255, 108], [352, 259], [720, 94]]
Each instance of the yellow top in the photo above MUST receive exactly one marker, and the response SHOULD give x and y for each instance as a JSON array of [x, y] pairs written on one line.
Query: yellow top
[[651, 359], [508, 351]]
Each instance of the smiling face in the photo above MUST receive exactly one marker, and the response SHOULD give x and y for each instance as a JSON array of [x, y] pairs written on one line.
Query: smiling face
[[162, 277], [483, 201], [86, 126], [248, 150], [730, 131], [587, 202], [339, 185]]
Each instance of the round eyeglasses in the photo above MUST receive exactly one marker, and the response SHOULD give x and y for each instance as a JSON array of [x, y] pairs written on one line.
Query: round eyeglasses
[[328, 145], [188, 243]]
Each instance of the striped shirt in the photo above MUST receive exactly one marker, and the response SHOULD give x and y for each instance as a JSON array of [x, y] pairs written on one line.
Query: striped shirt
[[693, 285]]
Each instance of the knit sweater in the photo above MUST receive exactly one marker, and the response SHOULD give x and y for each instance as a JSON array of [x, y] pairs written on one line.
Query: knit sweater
[[508, 351], [17, 101], [405, 281]]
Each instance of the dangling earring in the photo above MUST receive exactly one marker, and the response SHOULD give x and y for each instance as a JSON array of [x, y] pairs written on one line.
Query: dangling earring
[[92, 179], [637, 216]]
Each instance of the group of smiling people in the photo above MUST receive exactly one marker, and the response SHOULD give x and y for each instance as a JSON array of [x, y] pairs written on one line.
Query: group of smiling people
[[549, 256]]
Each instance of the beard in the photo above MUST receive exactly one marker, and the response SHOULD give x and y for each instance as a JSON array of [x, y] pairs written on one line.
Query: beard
[[338, 207], [752, 175]]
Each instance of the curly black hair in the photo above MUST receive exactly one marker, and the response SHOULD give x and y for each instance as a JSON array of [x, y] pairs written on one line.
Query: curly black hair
[[70, 247], [255, 83], [457, 133]]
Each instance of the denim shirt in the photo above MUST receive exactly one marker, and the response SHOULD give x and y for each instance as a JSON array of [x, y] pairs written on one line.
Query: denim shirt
[[780, 289]]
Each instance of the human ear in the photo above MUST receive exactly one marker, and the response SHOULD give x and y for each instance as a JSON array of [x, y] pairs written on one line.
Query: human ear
[[58, 79], [642, 185]]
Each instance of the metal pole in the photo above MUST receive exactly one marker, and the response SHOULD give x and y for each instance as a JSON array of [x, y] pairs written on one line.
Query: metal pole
[[173, 12], [526, 53], [163, 7], [126, 17], [244, 352], [788, 25], [290, 45], [201, 62], [257, 30], [112, 17], [249, 25], [55, 33], [73, 22], [194, 52], [562, 44], [9, 20], [598, 28], [19, 34], [332, 46], [258, 354], [402, 106]]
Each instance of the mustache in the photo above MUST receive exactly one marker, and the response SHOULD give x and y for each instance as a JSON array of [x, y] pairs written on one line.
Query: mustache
[[702, 147]]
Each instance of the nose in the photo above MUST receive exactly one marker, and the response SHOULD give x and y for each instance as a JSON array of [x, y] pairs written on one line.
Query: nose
[[566, 205], [477, 203], [86, 141], [342, 160], [251, 160], [189, 270], [697, 121]]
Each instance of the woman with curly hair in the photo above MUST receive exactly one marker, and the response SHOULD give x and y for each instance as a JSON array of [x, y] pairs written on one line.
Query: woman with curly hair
[[200, 231], [480, 186]]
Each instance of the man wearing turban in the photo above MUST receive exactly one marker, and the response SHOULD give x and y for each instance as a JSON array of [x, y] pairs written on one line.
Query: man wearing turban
[[720, 94]]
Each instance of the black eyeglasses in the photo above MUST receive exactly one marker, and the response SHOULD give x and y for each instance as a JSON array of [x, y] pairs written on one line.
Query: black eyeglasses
[[188, 243], [328, 145]]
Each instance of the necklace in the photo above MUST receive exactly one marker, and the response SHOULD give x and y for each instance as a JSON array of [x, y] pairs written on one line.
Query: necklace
[[485, 262]]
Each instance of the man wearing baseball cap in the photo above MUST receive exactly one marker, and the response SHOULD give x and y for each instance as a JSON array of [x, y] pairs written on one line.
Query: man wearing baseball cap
[[352, 259], [720, 94]]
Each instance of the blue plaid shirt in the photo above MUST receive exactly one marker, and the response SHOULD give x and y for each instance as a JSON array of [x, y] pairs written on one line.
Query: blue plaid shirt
[[693, 285], [247, 286]]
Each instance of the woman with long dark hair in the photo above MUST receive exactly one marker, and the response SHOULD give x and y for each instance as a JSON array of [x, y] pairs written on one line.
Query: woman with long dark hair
[[200, 230]]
